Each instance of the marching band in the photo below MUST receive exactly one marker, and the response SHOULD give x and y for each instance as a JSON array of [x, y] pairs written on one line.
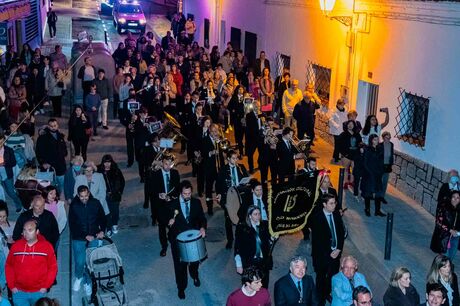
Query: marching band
[[201, 123]]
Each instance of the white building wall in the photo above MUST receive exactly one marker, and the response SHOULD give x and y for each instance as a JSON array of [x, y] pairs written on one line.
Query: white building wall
[[420, 57]]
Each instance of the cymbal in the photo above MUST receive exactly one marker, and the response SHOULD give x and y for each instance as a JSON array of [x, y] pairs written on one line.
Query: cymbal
[[173, 120]]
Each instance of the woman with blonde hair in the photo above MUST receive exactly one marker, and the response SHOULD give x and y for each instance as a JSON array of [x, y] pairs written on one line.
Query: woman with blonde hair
[[95, 182], [442, 272], [400, 292]]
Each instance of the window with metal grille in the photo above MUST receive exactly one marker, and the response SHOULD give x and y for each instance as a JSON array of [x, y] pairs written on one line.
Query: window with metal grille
[[320, 77], [32, 21], [282, 61], [412, 118]]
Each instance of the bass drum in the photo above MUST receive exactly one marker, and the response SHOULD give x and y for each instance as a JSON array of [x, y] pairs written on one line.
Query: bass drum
[[234, 200], [191, 246]]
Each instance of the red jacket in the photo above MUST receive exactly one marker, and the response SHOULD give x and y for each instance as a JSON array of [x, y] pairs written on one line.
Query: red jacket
[[30, 268]]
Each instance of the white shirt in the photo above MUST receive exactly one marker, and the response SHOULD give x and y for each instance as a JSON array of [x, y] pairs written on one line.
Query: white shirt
[[263, 211]]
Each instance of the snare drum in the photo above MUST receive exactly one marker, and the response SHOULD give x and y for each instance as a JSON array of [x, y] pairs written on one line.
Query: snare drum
[[234, 201], [191, 246]]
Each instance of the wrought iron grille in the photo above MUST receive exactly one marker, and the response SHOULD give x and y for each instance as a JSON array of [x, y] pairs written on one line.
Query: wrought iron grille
[[320, 77], [412, 118], [282, 61]]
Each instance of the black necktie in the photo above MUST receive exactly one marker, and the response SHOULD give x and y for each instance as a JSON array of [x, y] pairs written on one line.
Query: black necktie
[[187, 211], [259, 203], [352, 284], [258, 243]]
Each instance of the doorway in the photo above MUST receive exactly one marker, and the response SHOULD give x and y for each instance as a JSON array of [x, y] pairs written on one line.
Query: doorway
[[250, 47], [235, 38], [367, 102]]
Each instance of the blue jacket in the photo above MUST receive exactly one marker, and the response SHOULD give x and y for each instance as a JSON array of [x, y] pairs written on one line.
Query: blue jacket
[[341, 288]]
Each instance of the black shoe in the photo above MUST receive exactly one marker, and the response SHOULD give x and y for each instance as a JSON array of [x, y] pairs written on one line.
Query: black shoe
[[146, 205], [99, 123], [129, 165], [382, 199], [181, 294], [210, 212], [368, 213], [154, 223], [163, 253], [95, 134], [197, 282], [229, 245], [105, 127], [380, 214]]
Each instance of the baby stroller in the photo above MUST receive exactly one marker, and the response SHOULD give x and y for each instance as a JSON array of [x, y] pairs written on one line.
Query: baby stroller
[[106, 271]]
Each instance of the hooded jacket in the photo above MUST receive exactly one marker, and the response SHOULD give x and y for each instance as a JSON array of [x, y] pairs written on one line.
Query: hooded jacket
[[30, 268]]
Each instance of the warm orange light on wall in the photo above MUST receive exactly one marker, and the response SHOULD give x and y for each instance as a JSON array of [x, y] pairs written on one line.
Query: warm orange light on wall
[[326, 5]]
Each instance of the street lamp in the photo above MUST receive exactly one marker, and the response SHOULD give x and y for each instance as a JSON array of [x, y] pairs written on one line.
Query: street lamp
[[328, 5]]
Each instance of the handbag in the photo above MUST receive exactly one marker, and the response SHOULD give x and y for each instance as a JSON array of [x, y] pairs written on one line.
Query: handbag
[[89, 131]]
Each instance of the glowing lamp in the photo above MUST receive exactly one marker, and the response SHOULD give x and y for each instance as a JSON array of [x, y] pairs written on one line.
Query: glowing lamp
[[121, 20], [142, 21], [327, 5]]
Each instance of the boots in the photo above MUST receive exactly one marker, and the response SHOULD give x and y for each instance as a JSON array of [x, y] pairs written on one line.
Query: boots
[[367, 203], [378, 203]]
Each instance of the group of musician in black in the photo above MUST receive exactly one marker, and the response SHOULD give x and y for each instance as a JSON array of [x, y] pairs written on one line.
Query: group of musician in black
[[214, 161]]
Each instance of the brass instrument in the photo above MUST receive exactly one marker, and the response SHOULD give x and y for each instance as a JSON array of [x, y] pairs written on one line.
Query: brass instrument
[[156, 163], [301, 146], [171, 127], [250, 105]]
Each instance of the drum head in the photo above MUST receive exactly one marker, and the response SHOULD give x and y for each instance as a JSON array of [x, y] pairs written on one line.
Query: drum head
[[233, 204], [189, 235]]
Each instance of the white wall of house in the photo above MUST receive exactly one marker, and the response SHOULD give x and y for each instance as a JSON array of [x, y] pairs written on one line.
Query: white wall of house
[[419, 57]]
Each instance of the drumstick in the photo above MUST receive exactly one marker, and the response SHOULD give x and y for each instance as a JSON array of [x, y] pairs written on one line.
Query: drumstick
[[176, 212]]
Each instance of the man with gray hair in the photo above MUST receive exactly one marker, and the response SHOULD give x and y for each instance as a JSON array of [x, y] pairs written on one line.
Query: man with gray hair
[[296, 287], [344, 282]]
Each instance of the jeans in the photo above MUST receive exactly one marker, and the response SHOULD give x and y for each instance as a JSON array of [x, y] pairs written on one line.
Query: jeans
[[114, 216], [79, 257], [11, 191], [385, 178], [22, 298], [93, 120], [452, 251], [102, 115]]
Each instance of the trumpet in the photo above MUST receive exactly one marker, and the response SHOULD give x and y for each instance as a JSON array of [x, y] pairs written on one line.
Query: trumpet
[[270, 136]]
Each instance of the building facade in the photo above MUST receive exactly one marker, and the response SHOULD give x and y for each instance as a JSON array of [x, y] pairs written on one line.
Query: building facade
[[22, 22], [401, 55]]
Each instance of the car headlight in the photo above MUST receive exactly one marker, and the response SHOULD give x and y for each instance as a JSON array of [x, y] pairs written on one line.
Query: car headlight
[[142, 21], [121, 20]]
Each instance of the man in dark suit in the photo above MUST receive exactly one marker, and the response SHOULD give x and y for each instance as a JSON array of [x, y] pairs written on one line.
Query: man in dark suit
[[149, 154], [266, 146], [304, 114], [212, 161], [328, 237], [212, 100], [287, 154], [257, 198], [185, 214], [252, 130], [228, 176], [261, 64], [296, 288], [163, 187]]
